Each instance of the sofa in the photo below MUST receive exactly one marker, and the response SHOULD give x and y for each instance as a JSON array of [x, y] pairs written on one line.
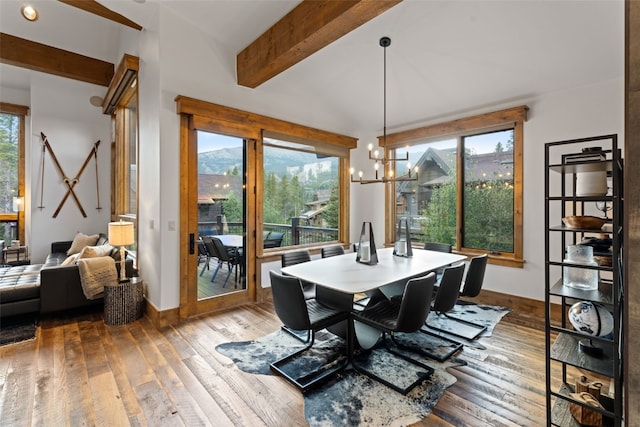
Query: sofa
[[49, 287], [60, 286]]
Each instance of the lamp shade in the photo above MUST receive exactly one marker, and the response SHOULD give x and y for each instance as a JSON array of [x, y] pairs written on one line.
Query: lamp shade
[[121, 233]]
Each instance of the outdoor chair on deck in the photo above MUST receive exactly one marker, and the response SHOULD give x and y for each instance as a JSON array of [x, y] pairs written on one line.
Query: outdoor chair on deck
[[230, 258], [299, 313], [406, 313]]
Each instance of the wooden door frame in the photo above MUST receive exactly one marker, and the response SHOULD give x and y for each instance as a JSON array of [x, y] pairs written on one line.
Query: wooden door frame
[[189, 303]]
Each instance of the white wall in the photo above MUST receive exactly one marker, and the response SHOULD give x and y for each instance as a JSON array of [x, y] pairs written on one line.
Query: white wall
[[60, 109]]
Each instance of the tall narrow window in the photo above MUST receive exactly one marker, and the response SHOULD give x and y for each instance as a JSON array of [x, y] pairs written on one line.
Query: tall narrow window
[[12, 149], [122, 102]]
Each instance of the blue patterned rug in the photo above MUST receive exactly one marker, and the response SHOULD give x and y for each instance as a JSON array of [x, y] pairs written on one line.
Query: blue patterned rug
[[353, 399]]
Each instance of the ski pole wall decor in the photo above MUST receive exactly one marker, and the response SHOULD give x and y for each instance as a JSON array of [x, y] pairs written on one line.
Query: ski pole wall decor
[[70, 182]]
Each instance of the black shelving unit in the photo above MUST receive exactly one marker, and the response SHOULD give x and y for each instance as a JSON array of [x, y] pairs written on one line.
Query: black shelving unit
[[564, 161]]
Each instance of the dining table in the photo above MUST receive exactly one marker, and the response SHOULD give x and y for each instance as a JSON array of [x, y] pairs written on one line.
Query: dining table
[[339, 278]]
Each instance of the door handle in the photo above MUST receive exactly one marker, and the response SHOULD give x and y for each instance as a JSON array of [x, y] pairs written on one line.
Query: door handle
[[192, 243]]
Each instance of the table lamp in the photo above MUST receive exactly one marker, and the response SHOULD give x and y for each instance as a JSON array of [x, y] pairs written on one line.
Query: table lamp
[[121, 234]]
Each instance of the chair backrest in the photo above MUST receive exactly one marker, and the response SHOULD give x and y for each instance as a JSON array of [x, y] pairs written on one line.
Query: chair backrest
[[475, 276], [416, 302], [202, 249], [295, 257], [210, 246], [289, 302], [272, 239], [332, 251], [436, 246], [449, 288], [220, 249]]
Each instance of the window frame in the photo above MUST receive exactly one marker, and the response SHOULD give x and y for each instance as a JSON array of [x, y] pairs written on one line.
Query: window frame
[[231, 121], [343, 156], [514, 118], [20, 111], [121, 94]]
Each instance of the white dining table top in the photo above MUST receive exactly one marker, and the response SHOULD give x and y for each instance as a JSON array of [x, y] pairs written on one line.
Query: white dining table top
[[342, 273], [231, 240]]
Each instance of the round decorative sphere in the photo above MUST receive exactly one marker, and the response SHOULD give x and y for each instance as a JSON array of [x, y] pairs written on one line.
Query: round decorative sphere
[[591, 319]]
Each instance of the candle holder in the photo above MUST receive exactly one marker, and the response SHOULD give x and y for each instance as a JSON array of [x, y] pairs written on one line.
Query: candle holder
[[367, 246], [402, 246]]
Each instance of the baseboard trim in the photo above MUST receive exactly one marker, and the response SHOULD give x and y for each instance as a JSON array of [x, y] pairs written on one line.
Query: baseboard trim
[[161, 318], [524, 311]]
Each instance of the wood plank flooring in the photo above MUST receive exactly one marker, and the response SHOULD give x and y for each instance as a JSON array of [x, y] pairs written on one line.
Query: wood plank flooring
[[78, 371]]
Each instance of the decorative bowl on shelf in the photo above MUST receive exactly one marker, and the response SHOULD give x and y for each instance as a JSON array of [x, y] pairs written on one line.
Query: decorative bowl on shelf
[[584, 222]]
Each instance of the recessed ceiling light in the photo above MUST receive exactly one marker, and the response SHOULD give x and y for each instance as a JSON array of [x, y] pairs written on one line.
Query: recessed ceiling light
[[29, 12]]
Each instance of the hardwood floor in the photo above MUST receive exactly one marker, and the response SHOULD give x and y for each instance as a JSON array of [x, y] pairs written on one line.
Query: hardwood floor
[[78, 371]]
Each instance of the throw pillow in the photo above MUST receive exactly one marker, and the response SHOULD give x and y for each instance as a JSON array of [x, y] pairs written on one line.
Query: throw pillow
[[95, 251], [80, 241], [71, 259]]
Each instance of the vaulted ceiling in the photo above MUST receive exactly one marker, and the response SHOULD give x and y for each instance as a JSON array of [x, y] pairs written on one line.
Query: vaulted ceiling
[[446, 57]]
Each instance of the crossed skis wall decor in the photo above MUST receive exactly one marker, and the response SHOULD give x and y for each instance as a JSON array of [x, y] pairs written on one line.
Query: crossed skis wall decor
[[70, 183]]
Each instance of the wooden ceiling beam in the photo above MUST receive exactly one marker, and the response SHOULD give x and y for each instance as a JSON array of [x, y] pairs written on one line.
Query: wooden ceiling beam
[[96, 8], [309, 27], [47, 59]]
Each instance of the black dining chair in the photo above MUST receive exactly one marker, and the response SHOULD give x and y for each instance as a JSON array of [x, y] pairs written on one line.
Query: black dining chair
[[445, 299], [297, 257], [471, 287], [406, 313], [329, 251], [437, 246], [299, 313]]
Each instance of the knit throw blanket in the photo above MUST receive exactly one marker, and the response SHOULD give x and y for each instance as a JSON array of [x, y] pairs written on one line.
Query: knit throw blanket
[[95, 273]]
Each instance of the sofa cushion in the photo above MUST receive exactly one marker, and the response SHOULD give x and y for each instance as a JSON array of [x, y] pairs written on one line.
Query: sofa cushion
[[19, 283], [80, 241], [95, 251]]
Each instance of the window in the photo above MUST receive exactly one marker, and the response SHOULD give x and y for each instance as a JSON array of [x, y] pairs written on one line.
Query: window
[[12, 153], [469, 188], [301, 194], [122, 102]]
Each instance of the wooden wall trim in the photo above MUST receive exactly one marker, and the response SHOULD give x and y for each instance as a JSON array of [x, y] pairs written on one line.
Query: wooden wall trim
[[161, 318], [40, 57], [8, 108], [195, 107], [495, 118]]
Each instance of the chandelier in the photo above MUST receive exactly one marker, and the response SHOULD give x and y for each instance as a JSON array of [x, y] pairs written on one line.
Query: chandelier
[[387, 164]]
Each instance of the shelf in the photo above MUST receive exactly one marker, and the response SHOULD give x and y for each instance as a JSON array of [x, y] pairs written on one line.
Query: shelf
[[565, 350], [588, 166], [565, 162], [566, 229], [603, 295], [561, 415]]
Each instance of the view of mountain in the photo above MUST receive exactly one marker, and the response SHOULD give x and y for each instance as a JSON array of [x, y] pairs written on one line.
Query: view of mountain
[[225, 159]]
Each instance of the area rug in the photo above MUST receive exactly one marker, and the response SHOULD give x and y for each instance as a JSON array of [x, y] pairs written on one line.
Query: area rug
[[352, 399], [18, 328]]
